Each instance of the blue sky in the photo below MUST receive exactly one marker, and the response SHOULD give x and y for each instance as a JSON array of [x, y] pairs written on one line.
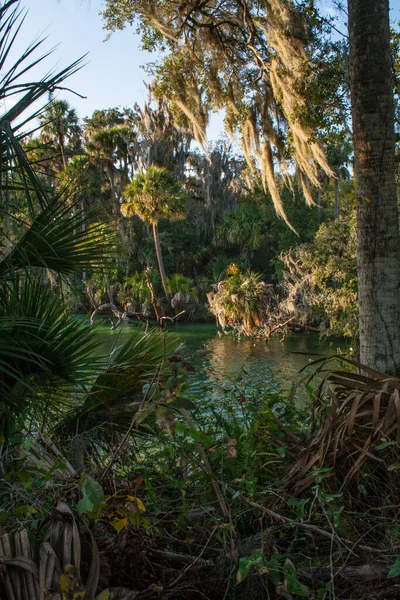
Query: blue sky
[[113, 76]]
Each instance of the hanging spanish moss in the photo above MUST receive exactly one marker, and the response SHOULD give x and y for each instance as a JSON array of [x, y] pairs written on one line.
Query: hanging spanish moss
[[163, 141], [251, 59]]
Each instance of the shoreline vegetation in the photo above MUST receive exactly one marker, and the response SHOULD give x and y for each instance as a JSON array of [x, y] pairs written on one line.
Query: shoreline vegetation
[[117, 481], [258, 498]]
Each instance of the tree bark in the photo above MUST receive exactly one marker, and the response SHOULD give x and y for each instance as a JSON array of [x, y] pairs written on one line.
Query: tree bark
[[61, 143], [377, 214], [160, 260]]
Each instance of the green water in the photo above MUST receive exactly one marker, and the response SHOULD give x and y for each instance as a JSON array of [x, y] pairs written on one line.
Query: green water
[[252, 366]]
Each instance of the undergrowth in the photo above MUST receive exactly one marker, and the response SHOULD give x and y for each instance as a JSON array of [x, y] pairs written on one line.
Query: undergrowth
[[235, 500]]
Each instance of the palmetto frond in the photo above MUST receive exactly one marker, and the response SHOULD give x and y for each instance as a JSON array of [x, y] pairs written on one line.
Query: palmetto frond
[[48, 369], [20, 94], [116, 393], [60, 239], [41, 349]]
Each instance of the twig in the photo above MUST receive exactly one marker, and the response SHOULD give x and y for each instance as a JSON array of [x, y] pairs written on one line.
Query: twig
[[293, 523], [186, 569], [180, 557], [117, 314]]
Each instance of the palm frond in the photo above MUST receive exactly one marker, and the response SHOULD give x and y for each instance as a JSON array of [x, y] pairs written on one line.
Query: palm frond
[[355, 413], [63, 240], [116, 393], [13, 84], [41, 349]]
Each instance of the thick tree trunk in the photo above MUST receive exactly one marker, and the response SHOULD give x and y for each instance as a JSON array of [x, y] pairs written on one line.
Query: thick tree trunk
[[377, 213], [160, 260]]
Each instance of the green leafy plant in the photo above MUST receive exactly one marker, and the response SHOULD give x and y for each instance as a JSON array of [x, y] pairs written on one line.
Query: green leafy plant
[[92, 495]]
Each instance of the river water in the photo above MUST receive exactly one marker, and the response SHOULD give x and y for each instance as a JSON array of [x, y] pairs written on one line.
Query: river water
[[250, 366]]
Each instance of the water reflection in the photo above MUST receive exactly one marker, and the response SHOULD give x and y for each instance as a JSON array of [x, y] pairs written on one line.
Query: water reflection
[[251, 366]]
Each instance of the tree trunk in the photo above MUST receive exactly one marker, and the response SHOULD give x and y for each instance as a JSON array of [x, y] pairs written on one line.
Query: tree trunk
[[377, 214], [160, 260], [61, 143]]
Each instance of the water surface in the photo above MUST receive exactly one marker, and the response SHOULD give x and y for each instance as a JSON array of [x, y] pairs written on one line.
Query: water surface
[[251, 366]]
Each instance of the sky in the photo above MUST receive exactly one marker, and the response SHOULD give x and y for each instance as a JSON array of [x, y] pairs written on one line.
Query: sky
[[113, 75]]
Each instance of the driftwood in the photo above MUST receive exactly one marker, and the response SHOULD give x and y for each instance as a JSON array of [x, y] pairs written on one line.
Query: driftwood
[[172, 319], [268, 330], [122, 317], [125, 315]]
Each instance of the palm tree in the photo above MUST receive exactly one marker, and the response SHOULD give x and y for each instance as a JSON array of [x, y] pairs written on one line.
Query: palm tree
[[109, 138], [338, 154], [155, 196], [245, 228], [60, 127], [41, 348]]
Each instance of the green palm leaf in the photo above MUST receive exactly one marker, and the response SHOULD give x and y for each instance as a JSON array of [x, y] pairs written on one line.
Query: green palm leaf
[[42, 349], [62, 240], [116, 393], [14, 85]]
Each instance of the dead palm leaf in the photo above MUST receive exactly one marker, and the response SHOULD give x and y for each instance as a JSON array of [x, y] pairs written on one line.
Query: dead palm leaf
[[354, 412]]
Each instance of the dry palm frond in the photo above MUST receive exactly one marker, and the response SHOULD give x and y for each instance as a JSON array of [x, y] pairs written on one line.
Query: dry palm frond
[[363, 413], [44, 452], [55, 572]]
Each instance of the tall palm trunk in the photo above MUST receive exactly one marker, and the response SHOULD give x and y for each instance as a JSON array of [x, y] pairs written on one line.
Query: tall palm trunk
[[61, 143], [377, 214], [160, 260]]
